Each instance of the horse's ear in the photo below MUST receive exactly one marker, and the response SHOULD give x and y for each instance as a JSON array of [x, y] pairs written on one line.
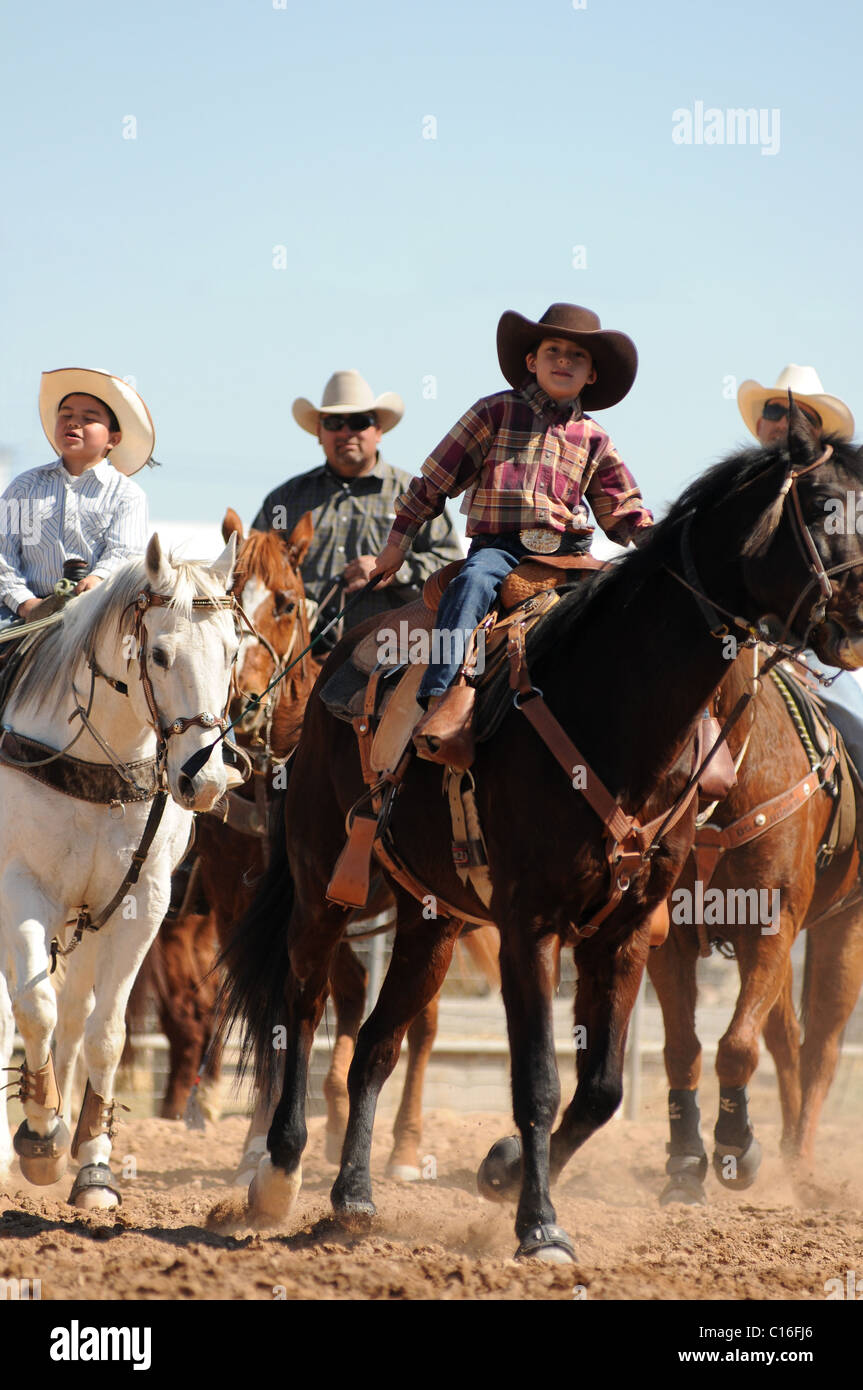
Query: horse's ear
[[301, 538], [159, 571], [223, 568], [804, 440], [232, 526]]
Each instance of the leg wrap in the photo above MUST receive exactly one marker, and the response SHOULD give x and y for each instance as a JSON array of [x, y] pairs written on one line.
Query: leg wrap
[[684, 1123], [732, 1128], [41, 1086], [97, 1117]]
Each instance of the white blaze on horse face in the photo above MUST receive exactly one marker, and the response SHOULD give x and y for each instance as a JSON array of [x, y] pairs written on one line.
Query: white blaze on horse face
[[255, 593]]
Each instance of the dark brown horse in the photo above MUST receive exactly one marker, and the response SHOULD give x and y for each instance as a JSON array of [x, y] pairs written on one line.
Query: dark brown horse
[[627, 666], [782, 863], [227, 862]]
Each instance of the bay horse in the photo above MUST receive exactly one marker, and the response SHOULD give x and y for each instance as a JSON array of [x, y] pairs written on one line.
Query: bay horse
[[783, 860], [73, 824], [268, 583], [627, 665]]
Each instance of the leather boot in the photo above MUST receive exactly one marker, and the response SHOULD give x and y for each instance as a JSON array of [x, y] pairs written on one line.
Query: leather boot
[[445, 733]]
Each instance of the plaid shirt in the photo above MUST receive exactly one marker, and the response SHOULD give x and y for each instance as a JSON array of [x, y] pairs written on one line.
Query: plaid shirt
[[352, 517], [526, 462]]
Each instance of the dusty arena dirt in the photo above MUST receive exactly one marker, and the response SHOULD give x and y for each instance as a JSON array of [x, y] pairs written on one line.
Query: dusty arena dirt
[[181, 1232]]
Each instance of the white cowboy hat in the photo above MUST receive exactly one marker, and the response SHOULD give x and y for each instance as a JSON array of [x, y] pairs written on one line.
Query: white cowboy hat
[[346, 393], [805, 384], [139, 437]]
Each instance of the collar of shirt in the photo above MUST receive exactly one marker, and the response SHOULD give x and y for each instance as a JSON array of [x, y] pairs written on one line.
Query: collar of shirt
[[363, 482], [559, 412], [102, 471]]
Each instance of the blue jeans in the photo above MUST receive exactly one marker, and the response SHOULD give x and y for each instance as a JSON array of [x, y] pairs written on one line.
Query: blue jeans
[[844, 701], [465, 601]]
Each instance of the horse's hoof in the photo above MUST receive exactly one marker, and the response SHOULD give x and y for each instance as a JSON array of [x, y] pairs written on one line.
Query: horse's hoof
[[43, 1158], [94, 1188], [404, 1172], [685, 1188], [272, 1192], [499, 1176], [248, 1164], [735, 1168], [548, 1243], [356, 1217], [333, 1147], [686, 1174]]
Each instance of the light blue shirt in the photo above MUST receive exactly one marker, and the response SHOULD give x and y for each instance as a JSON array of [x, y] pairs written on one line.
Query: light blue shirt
[[47, 516]]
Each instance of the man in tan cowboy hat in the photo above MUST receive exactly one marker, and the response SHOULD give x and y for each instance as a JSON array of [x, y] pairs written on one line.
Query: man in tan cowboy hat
[[531, 460], [84, 504], [765, 412], [351, 497]]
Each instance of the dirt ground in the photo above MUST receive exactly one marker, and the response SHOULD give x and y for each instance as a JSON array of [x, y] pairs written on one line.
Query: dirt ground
[[181, 1232]]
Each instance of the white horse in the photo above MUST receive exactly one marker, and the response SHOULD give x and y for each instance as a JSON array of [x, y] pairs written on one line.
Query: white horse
[[137, 676]]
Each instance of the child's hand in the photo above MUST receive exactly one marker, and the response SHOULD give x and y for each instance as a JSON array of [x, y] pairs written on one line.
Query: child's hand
[[88, 582], [388, 563]]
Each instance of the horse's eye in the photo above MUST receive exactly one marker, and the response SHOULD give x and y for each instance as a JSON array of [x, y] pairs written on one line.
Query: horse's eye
[[160, 658], [284, 602]]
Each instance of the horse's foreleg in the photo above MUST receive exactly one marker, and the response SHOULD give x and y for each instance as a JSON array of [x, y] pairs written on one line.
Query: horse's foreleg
[[422, 952], [74, 1006], [7, 1039], [832, 981], [671, 968], [42, 1140], [405, 1160], [762, 962], [782, 1036], [348, 982]]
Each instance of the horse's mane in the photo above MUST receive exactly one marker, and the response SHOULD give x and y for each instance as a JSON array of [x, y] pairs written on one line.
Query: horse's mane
[[50, 661], [720, 483], [264, 554]]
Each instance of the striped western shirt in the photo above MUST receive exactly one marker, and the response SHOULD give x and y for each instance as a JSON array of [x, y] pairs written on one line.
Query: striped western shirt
[[525, 461], [47, 516]]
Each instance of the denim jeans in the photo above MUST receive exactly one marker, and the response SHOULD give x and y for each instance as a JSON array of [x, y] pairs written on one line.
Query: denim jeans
[[844, 701], [465, 601]]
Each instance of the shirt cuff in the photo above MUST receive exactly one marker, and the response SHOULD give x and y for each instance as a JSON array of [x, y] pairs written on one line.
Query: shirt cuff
[[13, 598], [403, 538]]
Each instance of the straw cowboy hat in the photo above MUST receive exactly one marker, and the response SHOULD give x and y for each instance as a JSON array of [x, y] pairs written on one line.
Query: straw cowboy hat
[[139, 437], [614, 355], [805, 384], [346, 393]]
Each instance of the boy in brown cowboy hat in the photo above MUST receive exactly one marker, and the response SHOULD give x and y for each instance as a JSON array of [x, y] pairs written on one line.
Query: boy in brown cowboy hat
[[530, 460]]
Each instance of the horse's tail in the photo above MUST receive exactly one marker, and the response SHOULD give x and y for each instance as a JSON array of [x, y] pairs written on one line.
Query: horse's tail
[[257, 964], [483, 947]]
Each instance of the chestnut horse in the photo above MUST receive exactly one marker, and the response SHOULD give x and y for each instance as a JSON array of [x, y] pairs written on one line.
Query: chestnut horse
[[782, 861], [269, 587], [626, 664]]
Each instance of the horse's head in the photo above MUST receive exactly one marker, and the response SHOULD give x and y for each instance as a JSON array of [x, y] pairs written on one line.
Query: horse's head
[[804, 556], [187, 644], [269, 588]]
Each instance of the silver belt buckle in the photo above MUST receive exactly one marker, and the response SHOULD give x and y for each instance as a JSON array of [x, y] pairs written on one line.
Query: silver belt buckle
[[540, 541]]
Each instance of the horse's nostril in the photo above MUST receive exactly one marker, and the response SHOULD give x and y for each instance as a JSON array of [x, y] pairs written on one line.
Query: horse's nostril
[[184, 784]]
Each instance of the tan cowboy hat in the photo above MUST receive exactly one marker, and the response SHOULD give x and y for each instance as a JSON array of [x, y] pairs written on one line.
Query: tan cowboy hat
[[139, 437], [805, 384], [346, 393], [614, 355]]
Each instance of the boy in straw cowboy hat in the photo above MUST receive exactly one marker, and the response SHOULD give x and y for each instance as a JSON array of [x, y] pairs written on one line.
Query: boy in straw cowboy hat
[[530, 460], [84, 504], [765, 413]]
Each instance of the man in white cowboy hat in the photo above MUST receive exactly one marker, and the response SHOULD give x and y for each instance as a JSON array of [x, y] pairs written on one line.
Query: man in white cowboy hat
[[84, 504], [351, 497], [765, 412]]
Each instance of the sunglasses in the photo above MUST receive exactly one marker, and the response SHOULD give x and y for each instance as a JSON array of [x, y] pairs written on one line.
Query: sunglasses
[[333, 423], [774, 411]]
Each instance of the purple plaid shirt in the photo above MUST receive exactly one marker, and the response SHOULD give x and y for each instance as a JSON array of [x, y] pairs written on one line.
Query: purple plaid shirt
[[525, 462]]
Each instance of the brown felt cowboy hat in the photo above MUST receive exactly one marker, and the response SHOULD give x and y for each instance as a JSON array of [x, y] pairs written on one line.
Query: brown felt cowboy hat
[[614, 355]]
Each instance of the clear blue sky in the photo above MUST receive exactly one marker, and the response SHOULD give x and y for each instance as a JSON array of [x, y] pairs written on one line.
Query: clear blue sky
[[302, 127]]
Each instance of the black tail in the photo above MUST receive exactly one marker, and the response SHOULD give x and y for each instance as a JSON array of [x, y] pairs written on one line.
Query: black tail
[[257, 965]]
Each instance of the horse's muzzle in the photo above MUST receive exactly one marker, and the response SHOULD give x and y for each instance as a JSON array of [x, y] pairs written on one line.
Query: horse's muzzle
[[834, 645]]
